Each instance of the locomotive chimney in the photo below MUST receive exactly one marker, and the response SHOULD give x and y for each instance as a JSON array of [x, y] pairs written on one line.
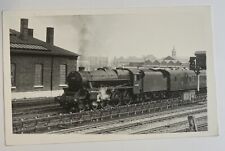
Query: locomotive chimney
[[50, 35], [24, 28], [81, 68]]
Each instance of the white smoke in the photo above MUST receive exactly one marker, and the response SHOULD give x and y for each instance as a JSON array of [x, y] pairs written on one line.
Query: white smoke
[[102, 94]]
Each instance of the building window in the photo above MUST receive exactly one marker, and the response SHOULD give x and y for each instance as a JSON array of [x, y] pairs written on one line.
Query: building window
[[38, 80], [63, 74], [13, 75]]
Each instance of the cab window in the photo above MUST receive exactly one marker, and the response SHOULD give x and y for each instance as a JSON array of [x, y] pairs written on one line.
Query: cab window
[[138, 77]]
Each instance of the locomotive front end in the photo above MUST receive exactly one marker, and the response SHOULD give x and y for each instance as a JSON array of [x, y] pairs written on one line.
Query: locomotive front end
[[73, 94], [95, 89], [87, 89]]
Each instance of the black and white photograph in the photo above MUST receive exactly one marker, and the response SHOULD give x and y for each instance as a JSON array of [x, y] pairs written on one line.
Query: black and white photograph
[[118, 73]]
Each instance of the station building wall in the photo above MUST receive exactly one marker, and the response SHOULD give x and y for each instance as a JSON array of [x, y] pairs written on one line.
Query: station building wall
[[25, 72]]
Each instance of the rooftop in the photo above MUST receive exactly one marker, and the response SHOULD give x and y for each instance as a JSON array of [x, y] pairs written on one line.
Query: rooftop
[[169, 58], [35, 46]]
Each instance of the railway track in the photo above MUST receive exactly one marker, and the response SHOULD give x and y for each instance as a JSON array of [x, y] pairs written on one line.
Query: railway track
[[178, 126], [39, 114], [41, 107], [29, 102], [201, 126], [133, 127], [121, 125], [35, 109], [49, 122]]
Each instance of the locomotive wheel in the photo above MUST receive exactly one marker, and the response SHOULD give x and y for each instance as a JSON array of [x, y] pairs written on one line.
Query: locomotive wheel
[[87, 106], [127, 98], [74, 109], [147, 97], [141, 99], [81, 106], [83, 94], [150, 97], [94, 105], [103, 104], [116, 99]]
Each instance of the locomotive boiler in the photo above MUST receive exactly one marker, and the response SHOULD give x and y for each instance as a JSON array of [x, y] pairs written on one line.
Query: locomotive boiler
[[113, 87], [95, 89]]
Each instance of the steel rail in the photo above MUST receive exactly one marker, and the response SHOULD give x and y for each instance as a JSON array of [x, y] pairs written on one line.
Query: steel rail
[[64, 120], [124, 120], [128, 126], [164, 127]]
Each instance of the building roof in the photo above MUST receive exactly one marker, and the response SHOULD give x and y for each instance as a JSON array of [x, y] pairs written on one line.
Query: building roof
[[156, 62], [136, 63], [35, 46], [148, 62], [182, 59], [169, 58], [163, 62]]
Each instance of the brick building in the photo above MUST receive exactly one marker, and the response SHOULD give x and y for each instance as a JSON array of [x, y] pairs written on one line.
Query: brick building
[[38, 68]]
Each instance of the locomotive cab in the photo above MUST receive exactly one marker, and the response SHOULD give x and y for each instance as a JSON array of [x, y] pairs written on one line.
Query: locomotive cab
[[137, 80]]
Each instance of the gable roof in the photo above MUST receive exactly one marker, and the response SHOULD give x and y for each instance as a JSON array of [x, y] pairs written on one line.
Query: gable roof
[[169, 58], [156, 62], [148, 62], [35, 46]]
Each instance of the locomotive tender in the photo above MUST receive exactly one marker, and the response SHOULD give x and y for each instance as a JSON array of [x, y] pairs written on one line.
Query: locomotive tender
[[97, 89]]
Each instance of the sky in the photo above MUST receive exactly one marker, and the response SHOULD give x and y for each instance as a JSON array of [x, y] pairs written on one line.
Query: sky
[[156, 32]]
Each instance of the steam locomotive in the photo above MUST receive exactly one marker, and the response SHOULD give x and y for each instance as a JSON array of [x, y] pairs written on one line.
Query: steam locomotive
[[90, 90]]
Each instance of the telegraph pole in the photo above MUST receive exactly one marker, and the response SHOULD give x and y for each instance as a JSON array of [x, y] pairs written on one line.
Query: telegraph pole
[[196, 68], [197, 71]]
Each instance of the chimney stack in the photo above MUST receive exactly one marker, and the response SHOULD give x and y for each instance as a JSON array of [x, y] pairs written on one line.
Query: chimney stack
[[30, 32], [24, 28], [50, 35]]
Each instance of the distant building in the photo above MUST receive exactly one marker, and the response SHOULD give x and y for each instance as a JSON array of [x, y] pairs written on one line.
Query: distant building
[[129, 61], [156, 63], [93, 62], [83, 63], [150, 58], [164, 63], [136, 64], [174, 53], [150, 61], [38, 68], [169, 58]]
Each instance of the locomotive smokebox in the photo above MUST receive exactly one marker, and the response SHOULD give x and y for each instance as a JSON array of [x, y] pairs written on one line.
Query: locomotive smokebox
[[74, 80]]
